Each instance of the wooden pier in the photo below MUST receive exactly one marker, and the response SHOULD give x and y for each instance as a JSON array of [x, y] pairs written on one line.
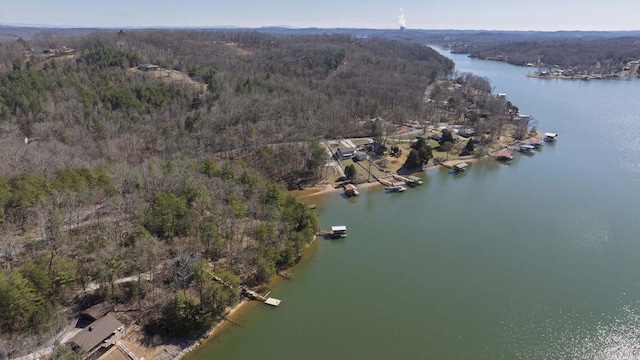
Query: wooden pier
[[409, 180], [255, 296], [441, 163]]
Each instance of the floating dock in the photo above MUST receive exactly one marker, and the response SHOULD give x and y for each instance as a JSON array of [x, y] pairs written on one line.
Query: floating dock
[[255, 296], [272, 301]]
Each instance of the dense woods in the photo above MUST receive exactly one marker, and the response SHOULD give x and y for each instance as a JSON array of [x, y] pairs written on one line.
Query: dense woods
[[591, 55], [146, 188]]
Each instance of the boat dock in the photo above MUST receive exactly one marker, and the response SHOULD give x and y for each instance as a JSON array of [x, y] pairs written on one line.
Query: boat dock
[[409, 180], [415, 180], [272, 301], [395, 187], [336, 232], [384, 182], [255, 296], [351, 190], [503, 155], [550, 137], [460, 167]]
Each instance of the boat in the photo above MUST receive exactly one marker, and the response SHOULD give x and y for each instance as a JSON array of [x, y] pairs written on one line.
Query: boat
[[414, 180], [458, 168], [550, 137], [395, 188], [527, 149], [338, 232]]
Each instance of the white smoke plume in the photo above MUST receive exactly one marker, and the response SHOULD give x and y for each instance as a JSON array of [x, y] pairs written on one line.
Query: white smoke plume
[[401, 19]]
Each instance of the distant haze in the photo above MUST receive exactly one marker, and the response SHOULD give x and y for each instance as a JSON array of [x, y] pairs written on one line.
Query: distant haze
[[544, 15]]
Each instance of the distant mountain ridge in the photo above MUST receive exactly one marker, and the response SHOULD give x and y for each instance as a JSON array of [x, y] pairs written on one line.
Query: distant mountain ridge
[[26, 30]]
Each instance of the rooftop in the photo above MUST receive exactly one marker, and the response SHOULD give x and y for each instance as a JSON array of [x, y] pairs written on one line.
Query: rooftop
[[98, 310], [97, 332]]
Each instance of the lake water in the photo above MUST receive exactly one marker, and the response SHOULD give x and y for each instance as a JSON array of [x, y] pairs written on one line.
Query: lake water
[[539, 259]]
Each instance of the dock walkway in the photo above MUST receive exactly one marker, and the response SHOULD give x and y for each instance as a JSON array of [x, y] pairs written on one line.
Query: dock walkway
[[411, 181], [255, 296]]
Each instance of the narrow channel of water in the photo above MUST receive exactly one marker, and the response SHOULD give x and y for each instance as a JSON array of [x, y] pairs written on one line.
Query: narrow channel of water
[[533, 260]]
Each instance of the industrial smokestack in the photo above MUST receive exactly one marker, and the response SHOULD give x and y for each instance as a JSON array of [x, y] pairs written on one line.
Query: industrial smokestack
[[401, 20]]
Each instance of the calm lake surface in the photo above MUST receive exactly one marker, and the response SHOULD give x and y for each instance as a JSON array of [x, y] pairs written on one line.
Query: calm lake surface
[[539, 259]]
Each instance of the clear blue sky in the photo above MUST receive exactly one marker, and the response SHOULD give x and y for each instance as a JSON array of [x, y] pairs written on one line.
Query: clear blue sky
[[379, 14]]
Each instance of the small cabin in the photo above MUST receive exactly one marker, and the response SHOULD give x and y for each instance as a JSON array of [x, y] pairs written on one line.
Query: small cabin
[[550, 137], [339, 231]]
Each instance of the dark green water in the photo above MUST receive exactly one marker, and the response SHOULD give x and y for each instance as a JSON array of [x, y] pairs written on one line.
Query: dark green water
[[539, 259]]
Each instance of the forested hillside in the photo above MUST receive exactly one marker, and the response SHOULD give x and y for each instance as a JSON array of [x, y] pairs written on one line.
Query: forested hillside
[[589, 56], [143, 187]]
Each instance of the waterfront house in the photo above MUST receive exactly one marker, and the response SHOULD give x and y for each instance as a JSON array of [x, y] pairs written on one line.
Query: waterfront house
[[102, 333]]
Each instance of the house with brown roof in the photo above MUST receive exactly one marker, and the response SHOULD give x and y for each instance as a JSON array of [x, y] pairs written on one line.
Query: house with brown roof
[[101, 333]]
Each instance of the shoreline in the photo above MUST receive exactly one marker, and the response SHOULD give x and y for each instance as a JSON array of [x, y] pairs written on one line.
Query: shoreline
[[325, 189], [212, 332], [237, 310], [307, 193]]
